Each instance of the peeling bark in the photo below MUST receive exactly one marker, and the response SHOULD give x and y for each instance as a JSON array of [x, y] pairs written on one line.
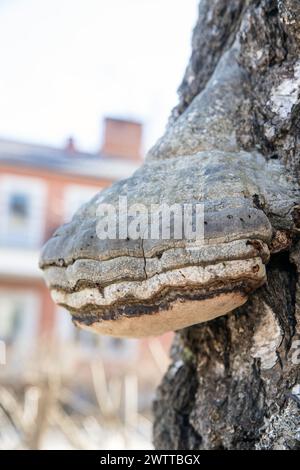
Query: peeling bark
[[234, 382], [231, 382]]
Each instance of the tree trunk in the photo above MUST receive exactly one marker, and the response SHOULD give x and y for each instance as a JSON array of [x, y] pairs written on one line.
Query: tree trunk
[[234, 382]]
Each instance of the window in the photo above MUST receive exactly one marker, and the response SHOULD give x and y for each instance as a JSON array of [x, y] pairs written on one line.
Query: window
[[19, 207], [22, 212], [18, 317], [76, 196], [10, 319]]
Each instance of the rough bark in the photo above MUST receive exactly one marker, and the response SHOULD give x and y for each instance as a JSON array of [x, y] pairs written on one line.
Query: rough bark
[[234, 382]]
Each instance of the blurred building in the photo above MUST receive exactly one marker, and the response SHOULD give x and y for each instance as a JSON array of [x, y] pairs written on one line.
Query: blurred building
[[41, 188]]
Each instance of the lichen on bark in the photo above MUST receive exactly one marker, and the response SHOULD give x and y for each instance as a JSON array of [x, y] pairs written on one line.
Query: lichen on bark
[[234, 382]]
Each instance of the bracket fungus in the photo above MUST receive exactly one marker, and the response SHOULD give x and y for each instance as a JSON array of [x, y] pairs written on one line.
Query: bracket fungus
[[143, 285]]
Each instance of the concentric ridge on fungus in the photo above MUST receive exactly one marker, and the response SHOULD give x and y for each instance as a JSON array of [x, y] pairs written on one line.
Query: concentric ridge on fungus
[[135, 287]]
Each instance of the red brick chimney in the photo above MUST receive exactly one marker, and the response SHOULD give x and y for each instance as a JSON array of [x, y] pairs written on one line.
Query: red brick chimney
[[122, 138], [70, 145]]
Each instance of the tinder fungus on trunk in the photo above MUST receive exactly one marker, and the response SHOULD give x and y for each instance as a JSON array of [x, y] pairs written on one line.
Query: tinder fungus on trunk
[[140, 284]]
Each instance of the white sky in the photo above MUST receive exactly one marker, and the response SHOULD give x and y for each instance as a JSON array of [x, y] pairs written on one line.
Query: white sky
[[67, 63]]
